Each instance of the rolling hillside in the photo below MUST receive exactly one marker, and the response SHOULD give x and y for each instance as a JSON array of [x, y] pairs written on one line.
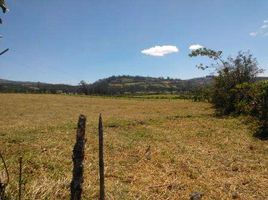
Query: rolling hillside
[[114, 85], [35, 87], [139, 84]]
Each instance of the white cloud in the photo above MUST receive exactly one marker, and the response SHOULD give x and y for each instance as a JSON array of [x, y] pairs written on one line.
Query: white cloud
[[262, 31], [195, 47], [253, 34], [264, 26], [160, 50]]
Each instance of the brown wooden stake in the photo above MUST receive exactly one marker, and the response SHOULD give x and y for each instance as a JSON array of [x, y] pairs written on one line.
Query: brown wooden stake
[[101, 160], [78, 158], [3, 183], [20, 176]]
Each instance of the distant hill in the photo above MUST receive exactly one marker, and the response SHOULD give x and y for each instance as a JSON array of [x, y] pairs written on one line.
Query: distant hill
[[139, 84], [35, 87], [114, 85]]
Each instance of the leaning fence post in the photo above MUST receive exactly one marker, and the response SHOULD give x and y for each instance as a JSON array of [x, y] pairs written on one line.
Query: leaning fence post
[[101, 162], [78, 158]]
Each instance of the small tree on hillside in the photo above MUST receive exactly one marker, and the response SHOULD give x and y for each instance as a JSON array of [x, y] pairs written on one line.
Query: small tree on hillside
[[83, 87], [233, 71]]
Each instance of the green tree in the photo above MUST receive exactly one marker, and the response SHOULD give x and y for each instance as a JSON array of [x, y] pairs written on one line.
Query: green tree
[[83, 87], [230, 72]]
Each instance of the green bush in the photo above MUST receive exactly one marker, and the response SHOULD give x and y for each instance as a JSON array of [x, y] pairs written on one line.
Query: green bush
[[252, 99], [235, 90], [241, 69]]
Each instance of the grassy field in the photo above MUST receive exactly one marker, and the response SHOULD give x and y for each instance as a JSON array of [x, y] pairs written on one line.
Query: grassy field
[[190, 149]]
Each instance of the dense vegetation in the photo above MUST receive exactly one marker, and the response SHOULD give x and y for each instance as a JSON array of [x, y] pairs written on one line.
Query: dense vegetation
[[235, 89], [7, 86], [252, 99], [118, 85]]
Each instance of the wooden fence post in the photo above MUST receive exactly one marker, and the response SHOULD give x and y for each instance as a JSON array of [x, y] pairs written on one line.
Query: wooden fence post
[[101, 160], [3, 183], [20, 176], [78, 158]]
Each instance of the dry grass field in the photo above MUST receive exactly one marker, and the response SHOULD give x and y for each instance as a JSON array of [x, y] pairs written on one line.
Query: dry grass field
[[154, 149]]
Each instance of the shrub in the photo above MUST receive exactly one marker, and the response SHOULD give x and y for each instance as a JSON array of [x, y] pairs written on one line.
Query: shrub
[[235, 90], [243, 68], [252, 99]]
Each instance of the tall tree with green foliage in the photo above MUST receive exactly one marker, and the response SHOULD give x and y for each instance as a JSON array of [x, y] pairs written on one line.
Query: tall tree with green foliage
[[243, 68]]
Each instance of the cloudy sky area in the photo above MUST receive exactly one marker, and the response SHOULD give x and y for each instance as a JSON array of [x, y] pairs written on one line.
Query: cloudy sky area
[[65, 42]]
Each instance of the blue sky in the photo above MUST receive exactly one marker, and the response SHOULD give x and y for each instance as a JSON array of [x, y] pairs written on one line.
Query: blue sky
[[63, 41]]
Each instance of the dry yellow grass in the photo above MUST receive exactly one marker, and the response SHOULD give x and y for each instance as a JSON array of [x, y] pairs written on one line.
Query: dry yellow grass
[[190, 149]]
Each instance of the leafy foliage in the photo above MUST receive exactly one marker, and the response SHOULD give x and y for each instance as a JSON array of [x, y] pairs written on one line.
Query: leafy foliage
[[119, 85], [235, 90], [231, 72], [252, 99], [215, 55]]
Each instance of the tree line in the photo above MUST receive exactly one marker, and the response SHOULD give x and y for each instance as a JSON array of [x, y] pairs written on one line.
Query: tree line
[[124, 85]]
